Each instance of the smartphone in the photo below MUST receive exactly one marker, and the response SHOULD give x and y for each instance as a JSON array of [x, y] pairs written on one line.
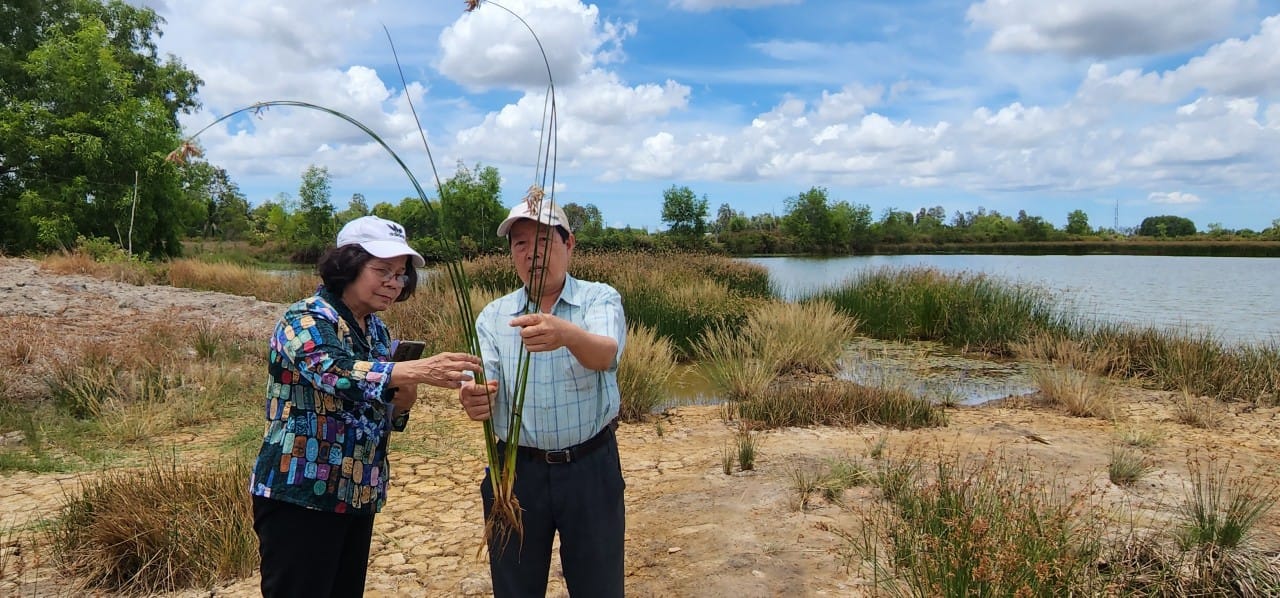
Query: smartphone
[[408, 350]]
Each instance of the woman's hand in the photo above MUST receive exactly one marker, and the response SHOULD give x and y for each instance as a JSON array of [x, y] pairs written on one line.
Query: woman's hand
[[405, 397], [445, 370], [475, 399]]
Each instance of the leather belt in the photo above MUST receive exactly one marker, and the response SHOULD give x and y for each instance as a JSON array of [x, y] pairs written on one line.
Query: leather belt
[[570, 454]]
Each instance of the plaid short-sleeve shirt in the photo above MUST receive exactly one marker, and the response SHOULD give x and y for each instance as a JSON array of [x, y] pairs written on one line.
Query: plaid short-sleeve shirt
[[565, 403]]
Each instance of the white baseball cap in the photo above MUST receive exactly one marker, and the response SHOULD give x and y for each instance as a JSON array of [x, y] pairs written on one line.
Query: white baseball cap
[[549, 214], [380, 237]]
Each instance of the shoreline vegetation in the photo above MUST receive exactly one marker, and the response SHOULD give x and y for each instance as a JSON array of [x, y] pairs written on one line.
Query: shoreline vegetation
[[95, 405]]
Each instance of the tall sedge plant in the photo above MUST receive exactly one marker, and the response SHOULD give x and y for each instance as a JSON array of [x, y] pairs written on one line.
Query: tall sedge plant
[[505, 516]]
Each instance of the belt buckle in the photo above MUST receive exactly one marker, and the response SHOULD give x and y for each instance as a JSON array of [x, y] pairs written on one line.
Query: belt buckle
[[560, 456]]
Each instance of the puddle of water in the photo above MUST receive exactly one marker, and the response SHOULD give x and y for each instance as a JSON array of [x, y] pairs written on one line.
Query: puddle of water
[[928, 369], [935, 371]]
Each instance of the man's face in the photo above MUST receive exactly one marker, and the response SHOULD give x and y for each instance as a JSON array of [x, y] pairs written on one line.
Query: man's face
[[528, 236]]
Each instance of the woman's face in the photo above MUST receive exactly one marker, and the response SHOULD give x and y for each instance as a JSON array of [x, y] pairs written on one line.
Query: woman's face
[[377, 286]]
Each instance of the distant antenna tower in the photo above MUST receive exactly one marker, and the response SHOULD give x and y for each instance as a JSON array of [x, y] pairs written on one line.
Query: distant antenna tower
[[1116, 225]]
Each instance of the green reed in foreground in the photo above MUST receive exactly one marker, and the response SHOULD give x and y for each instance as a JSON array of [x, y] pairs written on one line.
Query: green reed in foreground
[[980, 527]]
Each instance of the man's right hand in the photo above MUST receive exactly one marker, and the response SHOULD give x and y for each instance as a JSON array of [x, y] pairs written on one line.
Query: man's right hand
[[475, 398]]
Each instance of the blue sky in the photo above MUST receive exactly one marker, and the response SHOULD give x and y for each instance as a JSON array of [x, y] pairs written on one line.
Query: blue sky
[[1154, 106]]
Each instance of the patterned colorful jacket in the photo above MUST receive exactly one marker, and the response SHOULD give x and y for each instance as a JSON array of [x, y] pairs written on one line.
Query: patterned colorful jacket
[[327, 410]]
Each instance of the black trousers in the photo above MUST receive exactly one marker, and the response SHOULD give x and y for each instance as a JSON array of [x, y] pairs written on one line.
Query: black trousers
[[581, 500], [311, 553]]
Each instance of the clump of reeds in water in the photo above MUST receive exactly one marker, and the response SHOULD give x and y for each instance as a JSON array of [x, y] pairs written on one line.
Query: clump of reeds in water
[[1199, 363], [970, 311]]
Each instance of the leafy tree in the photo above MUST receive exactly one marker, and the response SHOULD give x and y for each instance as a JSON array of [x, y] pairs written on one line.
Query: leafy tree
[[1078, 223], [356, 208], [585, 221], [1034, 228], [218, 208], [724, 216], [315, 217], [684, 214], [1272, 232], [851, 226], [1166, 226], [808, 220], [471, 207], [895, 226], [86, 109]]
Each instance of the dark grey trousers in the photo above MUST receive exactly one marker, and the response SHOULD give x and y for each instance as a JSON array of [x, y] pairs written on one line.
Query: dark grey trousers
[[581, 500]]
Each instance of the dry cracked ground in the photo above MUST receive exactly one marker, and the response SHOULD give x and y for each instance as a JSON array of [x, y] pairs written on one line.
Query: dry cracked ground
[[692, 530]]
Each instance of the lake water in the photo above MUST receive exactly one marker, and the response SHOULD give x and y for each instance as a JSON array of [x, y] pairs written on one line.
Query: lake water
[[1235, 299]]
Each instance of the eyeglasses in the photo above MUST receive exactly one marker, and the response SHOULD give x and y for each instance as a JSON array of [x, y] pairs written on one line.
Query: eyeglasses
[[386, 275]]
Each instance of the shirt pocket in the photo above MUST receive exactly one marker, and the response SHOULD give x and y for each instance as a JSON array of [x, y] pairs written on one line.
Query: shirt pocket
[[580, 378]]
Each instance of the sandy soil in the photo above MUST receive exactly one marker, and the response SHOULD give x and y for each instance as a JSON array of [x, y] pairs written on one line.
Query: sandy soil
[[692, 530]]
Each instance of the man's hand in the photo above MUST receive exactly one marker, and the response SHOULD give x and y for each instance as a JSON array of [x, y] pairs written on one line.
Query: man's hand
[[544, 332], [475, 399]]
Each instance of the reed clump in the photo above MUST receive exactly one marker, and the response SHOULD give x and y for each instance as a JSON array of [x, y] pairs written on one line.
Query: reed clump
[[644, 373], [98, 395], [970, 311], [981, 527], [1127, 466], [1071, 377], [1196, 362], [774, 339], [839, 403], [162, 528], [1207, 551]]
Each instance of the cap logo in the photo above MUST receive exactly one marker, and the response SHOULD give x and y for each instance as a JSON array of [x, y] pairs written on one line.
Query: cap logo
[[396, 231]]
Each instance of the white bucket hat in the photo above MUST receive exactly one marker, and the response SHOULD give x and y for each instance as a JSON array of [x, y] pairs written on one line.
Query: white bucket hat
[[380, 237], [548, 214]]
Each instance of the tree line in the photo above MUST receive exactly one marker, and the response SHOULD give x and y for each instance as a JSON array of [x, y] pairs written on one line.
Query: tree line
[[89, 112]]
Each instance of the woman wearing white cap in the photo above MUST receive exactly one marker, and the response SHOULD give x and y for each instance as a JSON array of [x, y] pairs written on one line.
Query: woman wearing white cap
[[333, 398]]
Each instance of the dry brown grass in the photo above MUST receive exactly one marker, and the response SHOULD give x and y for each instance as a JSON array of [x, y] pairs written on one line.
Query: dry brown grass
[[162, 528], [806, 337], [729, 361], [241, 280], [1199, 412], [1071, 377], [81, 262]]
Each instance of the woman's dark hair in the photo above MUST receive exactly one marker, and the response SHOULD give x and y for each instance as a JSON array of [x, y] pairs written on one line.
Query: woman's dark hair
[[339, 266]]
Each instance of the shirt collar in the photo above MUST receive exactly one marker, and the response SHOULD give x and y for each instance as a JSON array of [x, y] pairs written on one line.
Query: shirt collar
[[571, 294]]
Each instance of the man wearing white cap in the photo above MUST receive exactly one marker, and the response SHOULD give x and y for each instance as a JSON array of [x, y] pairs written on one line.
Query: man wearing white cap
[[333, 398], [568, 477]]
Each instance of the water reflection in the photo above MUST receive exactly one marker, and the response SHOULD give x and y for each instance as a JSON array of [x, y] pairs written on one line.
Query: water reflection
[[928, 370]]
